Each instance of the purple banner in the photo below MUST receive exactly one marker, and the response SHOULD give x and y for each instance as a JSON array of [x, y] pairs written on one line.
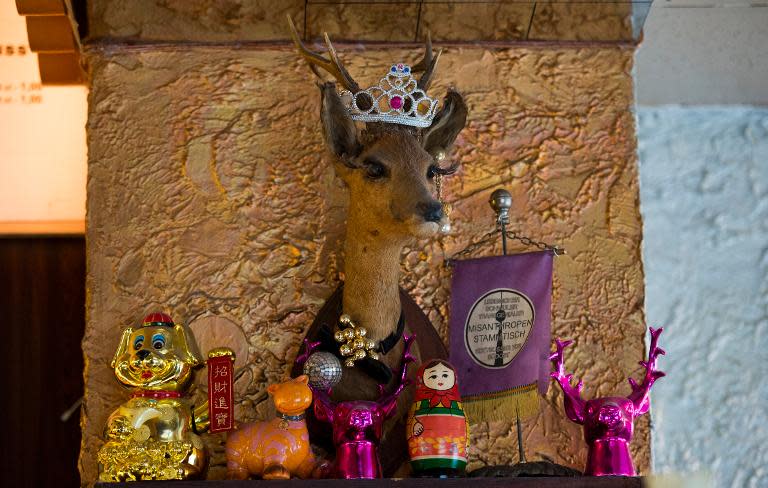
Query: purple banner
[[501, 310]]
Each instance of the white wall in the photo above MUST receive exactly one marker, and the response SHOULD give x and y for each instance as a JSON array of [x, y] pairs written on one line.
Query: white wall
[[704, 198], [704, 52]]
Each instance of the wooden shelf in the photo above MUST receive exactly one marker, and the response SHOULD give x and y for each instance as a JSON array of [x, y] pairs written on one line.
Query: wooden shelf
[[533, 482], [42, 228]]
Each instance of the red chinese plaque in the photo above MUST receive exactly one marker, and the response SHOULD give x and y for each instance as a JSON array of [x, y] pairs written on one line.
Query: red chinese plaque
[[221, 406]]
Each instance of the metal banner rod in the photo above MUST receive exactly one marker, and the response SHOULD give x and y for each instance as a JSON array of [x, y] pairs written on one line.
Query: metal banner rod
[[501, 202]]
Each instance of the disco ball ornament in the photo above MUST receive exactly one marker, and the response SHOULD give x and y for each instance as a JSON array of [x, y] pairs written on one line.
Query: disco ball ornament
[[323, 369]]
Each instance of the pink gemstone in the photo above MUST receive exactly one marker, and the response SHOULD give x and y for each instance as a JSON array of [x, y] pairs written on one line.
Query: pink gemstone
[[396, 102]]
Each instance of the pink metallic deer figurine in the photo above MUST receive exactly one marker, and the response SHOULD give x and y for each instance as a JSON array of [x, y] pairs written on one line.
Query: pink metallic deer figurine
[[608, 421], [358, 424]]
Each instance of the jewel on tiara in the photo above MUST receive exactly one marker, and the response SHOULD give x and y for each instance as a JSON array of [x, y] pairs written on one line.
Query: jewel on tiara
[[397, 99]]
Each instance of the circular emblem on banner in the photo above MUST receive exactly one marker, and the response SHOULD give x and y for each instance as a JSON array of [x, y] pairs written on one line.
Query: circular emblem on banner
[[497, 327]]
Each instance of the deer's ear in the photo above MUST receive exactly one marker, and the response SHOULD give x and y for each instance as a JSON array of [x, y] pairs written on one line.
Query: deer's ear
[[338, 127], [446, 125]]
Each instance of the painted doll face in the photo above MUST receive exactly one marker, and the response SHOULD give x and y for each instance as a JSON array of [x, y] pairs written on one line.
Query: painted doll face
[[439, 377]]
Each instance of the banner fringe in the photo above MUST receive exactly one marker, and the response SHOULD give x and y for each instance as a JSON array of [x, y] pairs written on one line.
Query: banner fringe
[[504, 405]]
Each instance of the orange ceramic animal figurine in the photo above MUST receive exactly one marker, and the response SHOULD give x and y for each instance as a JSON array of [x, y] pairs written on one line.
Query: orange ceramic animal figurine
[[277, 448]]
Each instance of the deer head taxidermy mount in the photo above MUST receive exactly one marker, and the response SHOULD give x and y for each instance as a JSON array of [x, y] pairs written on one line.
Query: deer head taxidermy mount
[[390, 166], [389, 144]]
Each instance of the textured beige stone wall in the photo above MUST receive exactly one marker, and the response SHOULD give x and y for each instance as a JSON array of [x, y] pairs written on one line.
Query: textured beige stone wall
[[210, 196]]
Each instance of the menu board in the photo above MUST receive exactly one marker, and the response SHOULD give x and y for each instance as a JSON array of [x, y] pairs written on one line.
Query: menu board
[[42, 136]]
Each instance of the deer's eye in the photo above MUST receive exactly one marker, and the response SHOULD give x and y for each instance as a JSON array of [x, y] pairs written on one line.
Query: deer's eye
[[374, 169], [431, 172]]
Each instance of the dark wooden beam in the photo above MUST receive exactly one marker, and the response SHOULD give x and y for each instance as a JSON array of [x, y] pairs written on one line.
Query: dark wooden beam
[[42, 296]]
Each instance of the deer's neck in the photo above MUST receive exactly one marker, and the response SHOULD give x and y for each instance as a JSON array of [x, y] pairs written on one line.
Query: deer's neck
[[372, 274]]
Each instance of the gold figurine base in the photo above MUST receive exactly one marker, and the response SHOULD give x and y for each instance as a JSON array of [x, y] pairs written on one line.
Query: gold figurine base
[[150, 460]]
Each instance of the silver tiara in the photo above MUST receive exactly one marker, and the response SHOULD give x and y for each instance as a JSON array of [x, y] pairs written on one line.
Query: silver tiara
[[397, 99]]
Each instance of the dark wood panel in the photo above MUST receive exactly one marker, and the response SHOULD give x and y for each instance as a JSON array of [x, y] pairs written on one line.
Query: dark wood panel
[[42, 299], [580, 482]]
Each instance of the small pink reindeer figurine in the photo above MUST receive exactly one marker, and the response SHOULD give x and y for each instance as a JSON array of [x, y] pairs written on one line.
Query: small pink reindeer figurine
[[357, 424], [609, 421]]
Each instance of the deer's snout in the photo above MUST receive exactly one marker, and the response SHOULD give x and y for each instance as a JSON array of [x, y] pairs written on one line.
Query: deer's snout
[[431, 211]]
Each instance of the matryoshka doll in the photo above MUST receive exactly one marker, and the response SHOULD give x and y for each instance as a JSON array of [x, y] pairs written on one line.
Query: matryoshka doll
[[438, 431]]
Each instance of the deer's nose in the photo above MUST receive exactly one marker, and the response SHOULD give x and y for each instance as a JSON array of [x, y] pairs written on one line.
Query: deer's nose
[[431, 211]]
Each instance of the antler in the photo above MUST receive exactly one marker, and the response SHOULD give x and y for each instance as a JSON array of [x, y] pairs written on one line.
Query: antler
[[574, 404], [427, 64], [309, 348], [323, 405], [333, 66], [388, 402], [640, 395]]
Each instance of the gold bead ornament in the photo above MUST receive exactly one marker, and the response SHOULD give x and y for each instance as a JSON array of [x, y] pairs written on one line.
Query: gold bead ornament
[[354, 345]]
